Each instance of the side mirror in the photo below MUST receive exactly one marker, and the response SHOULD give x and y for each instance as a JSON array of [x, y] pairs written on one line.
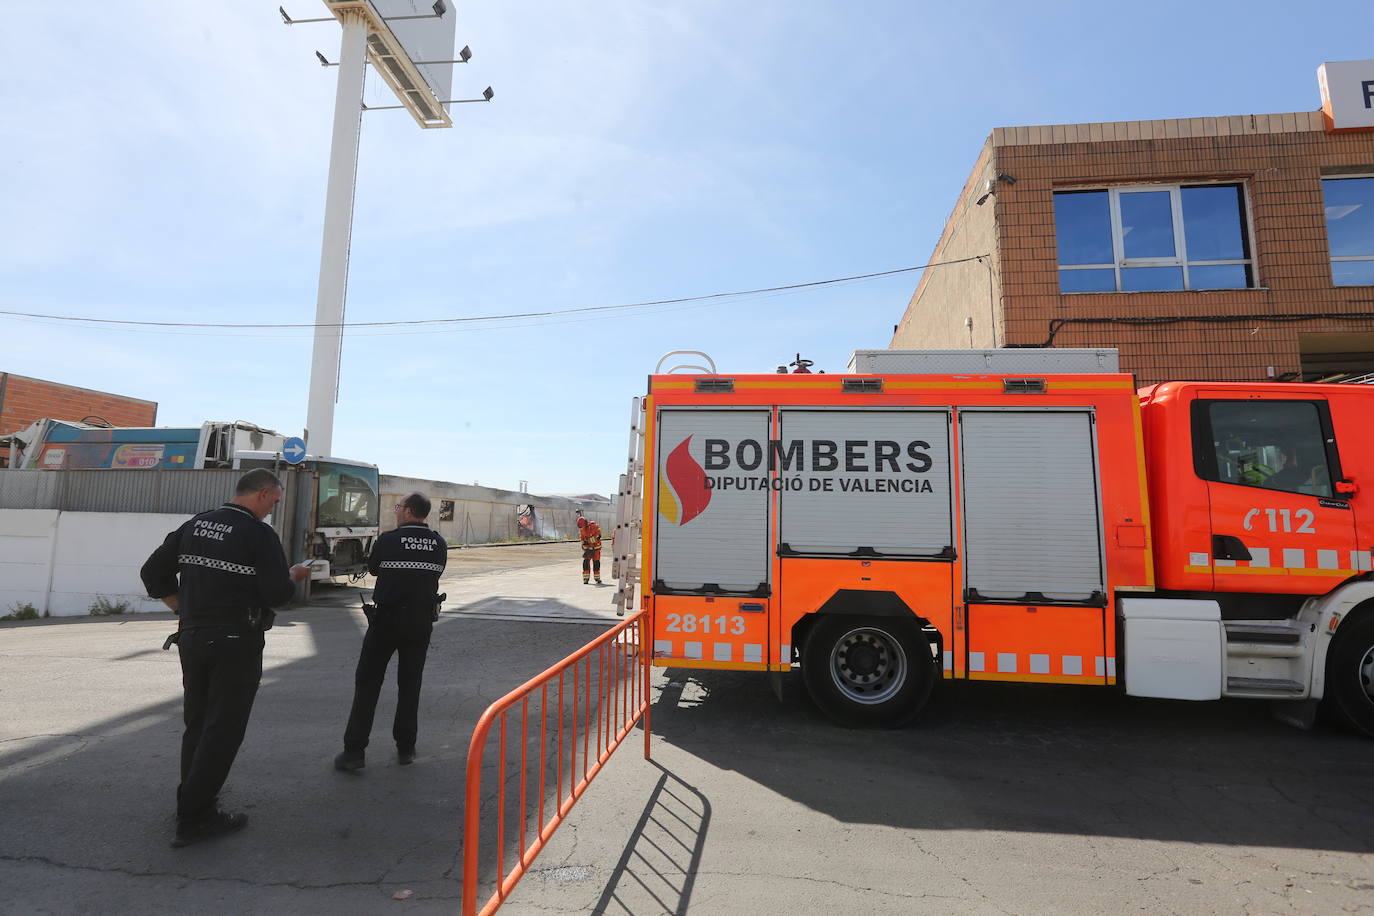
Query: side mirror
[[1346, 488]]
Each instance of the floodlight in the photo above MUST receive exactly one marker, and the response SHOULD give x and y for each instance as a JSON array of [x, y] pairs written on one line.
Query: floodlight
[[324, 61], [465, 55], [487, 93], [439, 8]]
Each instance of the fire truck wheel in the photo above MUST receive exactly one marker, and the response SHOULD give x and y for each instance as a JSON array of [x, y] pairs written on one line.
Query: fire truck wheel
[[1350, 673], [868, 672]]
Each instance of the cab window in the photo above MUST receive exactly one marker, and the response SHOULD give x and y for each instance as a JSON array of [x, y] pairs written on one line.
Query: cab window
[[347, 497], [1272, 445]]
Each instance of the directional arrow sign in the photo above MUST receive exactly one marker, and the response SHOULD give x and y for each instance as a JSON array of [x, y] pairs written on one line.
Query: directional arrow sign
[[293, 450]]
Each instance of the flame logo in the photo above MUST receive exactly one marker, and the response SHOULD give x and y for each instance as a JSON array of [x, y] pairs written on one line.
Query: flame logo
[[682, 492]]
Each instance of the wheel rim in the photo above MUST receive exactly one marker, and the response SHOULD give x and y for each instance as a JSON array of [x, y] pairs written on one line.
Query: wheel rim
[[1366, 673], [868, 666]]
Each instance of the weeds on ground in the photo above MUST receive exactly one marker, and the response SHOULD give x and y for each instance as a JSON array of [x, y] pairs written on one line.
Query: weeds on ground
[[21, 611], [104, 607]]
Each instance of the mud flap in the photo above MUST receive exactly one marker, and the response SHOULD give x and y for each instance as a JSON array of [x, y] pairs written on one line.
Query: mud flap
[[775, 681], [1300, 714]]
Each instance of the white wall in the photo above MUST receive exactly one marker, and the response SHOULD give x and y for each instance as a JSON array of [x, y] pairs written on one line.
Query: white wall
[[26, 543], [60, 562]]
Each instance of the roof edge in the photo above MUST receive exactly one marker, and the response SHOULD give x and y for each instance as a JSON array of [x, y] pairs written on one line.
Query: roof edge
[[1166, 129]]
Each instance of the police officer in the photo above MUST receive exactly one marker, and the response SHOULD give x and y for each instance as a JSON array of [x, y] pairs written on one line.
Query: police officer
[[221, 572], [407, 561]]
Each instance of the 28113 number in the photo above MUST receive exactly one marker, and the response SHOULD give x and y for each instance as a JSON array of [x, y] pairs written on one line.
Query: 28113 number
[[703, 623]]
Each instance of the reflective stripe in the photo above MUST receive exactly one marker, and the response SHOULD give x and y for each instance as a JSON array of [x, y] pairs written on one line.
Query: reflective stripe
[[1359, 559], [410, 564], [975, 661], [1006, 662], [785, 654], [1072, 665], [1197, 559], [191, 559], [1259, 557], [1294, 558], [691, 650], [1326, 559], [663, 648], [753, 652], [1039, 664], [949, 660], [721, 652]]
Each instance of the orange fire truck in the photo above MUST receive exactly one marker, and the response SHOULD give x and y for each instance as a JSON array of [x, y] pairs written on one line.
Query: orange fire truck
[[1007, 515]]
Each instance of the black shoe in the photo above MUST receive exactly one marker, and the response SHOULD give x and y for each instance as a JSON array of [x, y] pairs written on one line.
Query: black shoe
[[207, 827], [350, 761], [406, 755]]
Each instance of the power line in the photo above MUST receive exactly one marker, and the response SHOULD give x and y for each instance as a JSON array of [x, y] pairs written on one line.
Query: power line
[[483, 318]]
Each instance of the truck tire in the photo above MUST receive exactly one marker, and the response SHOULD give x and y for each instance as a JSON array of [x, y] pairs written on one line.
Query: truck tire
[[1350, 673], [867, 672]]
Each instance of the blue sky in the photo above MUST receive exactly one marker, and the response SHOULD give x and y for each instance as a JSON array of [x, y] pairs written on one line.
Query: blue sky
[[167, 162]]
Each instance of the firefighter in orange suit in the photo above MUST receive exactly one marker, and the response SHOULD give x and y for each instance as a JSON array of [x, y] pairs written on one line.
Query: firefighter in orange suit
[[591, 548]]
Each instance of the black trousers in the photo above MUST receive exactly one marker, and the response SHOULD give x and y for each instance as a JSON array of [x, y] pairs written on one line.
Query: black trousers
[[220, 671], [404, 633]]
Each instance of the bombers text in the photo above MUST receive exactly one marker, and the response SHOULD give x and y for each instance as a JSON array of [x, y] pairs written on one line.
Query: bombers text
[[876, 455]]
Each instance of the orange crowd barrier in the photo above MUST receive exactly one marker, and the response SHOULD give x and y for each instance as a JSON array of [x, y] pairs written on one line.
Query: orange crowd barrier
[[590, 701]]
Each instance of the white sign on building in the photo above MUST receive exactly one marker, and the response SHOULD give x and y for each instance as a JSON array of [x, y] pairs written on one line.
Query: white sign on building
[[1347, 94]]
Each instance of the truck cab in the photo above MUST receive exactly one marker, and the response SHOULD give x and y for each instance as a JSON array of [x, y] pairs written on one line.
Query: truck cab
[[1255, 490], [344, 509]]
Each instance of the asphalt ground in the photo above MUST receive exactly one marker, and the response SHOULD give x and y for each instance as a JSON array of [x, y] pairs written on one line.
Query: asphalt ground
[[1000, 800]]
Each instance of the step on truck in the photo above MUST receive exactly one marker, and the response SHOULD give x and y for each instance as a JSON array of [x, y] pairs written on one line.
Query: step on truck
[[1009, 515]]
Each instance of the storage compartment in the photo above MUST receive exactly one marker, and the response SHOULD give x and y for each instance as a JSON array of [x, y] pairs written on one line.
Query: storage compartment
[[1175, 649]]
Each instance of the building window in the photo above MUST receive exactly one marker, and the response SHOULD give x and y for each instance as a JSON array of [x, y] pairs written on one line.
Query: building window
[[1156, 237], [1350, 229]]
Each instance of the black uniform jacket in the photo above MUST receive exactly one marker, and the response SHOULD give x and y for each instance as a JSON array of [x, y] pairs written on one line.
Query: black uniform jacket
[[407, 562], [229, 563]]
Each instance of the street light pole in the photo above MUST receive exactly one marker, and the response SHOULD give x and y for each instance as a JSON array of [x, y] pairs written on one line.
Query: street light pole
[[338, 230]]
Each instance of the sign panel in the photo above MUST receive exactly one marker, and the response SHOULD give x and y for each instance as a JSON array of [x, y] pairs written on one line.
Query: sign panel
[[1347, 89], [139, 456], [430, 38], [293, 450]]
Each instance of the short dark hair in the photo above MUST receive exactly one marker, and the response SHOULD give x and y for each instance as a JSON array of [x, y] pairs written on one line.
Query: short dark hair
[[418, 504], [255, 481]]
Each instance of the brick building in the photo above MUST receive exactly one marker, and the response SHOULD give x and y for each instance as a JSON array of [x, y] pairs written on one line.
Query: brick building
[[24, 399], [1228, 248]]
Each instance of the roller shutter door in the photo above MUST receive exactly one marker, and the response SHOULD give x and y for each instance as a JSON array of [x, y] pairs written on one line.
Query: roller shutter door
[[712, 524], [884, 490], [1031, 506]]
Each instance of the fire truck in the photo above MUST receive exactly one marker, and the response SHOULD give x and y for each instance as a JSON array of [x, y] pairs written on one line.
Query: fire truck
[[1010, 515]]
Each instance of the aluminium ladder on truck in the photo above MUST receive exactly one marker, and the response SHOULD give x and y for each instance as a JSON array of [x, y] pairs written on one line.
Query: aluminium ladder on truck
[[628, 526], [625, 536]]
